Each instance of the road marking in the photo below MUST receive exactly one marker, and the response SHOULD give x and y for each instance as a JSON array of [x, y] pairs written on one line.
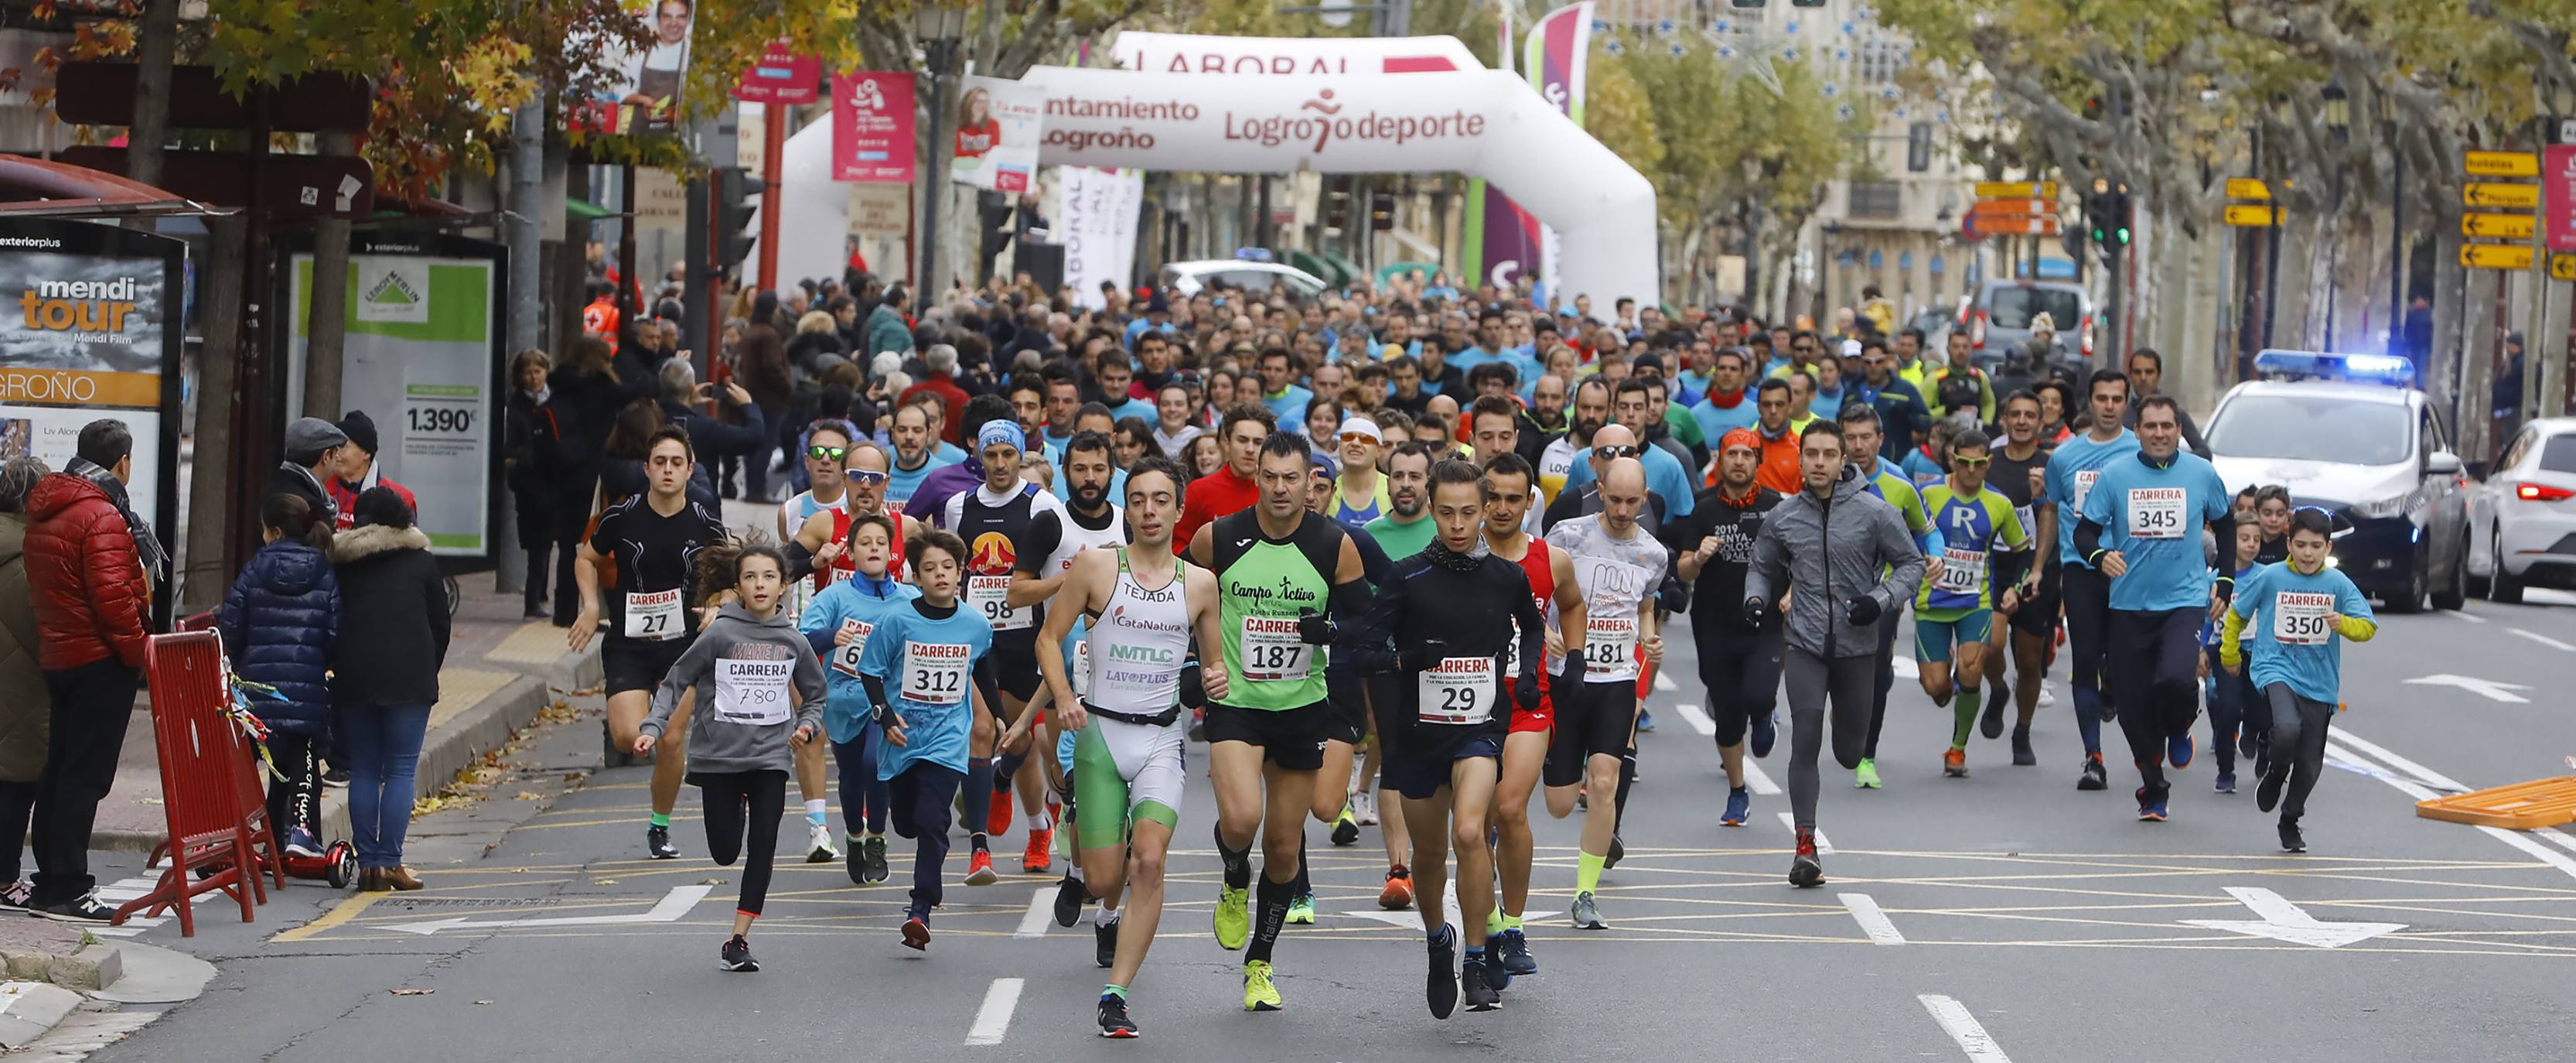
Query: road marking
[[2464, 615], [339, 914], [2558, 836], [1872, 920], [2543, 639], [1964, 1029], [1698, 720], [1823, 847], [1755, 778], [2279, 919], [2546, 855], [1041, 911], [2485, 688], [1664, 683], [669, 909], [2419, 771], [994, 1019]]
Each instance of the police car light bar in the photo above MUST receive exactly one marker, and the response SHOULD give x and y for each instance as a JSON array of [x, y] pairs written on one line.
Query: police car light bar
[[2386, 369]]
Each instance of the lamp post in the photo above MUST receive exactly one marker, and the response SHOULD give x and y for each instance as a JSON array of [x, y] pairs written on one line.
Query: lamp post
[[2338, 118], [938, 28]]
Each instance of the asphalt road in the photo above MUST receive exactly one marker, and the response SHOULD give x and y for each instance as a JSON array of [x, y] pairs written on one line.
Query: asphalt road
[[2005, 916]]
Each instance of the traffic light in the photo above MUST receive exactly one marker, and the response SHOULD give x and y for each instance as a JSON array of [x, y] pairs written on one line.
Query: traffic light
[[1382, 211], [1337, 203], [2106, 213], [735, 213]]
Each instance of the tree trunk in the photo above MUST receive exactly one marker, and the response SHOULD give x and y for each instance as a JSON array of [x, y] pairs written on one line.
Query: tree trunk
[[527, 310], [203, 581], [156, 45], [329, 323]]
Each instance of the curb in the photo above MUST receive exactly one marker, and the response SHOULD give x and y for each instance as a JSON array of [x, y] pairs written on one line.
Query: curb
[[96, 965], [29, 1009]]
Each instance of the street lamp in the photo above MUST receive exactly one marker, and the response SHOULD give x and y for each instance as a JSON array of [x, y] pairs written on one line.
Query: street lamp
[[938, 28], [2338, 118]]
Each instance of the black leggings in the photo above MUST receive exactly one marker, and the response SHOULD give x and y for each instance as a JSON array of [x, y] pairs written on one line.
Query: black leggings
[[742, 809], [2155, 660], [2298, 744], [2088, 635], [1882, 681], [1742, 673]]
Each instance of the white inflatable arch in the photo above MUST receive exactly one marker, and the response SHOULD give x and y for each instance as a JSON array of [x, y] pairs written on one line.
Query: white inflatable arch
[[1483, 123]]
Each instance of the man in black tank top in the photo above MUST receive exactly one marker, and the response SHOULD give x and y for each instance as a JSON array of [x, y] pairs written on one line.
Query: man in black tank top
[[994, 521]]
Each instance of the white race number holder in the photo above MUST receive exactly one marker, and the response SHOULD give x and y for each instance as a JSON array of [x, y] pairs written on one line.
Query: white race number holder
[[1962, 572], [2299, 618], [1272, 651], [934, 673], [845, 658], [752, 692], [1609, 648], [2155, 512], [1458, 690], [654, 616], [990, 595]]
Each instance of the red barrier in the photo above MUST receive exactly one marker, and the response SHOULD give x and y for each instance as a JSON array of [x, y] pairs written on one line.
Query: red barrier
[[204, 758]]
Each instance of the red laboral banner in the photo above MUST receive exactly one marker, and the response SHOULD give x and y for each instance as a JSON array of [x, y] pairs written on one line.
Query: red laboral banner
[[2558, 195], [872, 126], [781, 76]]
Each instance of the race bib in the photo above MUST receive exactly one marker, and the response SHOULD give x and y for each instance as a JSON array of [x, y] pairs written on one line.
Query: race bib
[[1962, 572], [752, 692], [2029, 524], [2299, 618], [1458, 691], [934, 673], [1082, 669], [1609, 648], [1271, 650], [653, 616], [845, 658], [990, 595], [1512, 654], [2084, 487], [2155, 512]]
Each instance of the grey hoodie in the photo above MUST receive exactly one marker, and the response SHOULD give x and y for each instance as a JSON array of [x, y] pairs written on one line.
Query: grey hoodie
[[734, 662], [1863, 537]]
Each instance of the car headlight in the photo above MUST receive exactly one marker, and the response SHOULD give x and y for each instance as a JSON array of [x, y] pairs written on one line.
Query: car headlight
[[2394, 505]]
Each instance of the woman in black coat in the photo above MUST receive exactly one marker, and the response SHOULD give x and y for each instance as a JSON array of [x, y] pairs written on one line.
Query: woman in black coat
[[585, 394], [531, 490], [386, 677]]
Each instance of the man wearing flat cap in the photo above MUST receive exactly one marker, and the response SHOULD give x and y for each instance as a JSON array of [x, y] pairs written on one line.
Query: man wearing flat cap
[[313, 449]]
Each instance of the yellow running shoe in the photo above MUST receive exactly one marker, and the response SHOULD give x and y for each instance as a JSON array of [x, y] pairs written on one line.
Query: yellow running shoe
[[1258, 993], [1233, 917]]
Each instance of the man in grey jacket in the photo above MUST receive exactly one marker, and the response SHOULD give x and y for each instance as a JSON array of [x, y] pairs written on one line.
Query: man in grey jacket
[[1847, 559]]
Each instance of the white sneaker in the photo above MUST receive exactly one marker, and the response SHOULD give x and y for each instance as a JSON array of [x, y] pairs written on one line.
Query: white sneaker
[[2047, 697], [1364, 808], [820, 838]]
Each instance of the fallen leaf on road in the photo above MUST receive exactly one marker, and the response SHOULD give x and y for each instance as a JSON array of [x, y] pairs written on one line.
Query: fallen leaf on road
[[525, 795], [413, 992], [710, 882]]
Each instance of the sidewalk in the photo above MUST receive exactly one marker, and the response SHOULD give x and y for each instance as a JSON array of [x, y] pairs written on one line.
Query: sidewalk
[[499, 670]]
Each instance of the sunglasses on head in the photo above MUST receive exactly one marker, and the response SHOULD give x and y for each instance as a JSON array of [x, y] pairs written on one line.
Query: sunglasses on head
[[866, 476], [824, 453]]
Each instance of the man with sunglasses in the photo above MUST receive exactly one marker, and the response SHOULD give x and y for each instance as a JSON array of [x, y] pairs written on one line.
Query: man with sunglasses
[[1982, 539], [1612, 443], [1900, 407]]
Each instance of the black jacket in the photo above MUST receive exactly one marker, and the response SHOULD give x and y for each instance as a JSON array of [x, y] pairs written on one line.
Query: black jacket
[[289, 478], [393, 638], [716, 439]]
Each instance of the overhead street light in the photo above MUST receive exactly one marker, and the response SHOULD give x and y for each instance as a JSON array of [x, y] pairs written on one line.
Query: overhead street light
[[938, 29]]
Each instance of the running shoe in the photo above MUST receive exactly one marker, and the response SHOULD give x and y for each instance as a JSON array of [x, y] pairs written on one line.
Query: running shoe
[[1040, 857], [1766, 730], [1806, 871], [2095, 776], [1739, 805], [2179, 750], [1198, 725], [1954, 763], [979, 869], [1991, 724], [1364, 807], [1070, 896], [2226, 782], [2267, 793], [818, 844], [916, 933], [82, 909], [737, 956], [1114, 1022], [1496, 975], [1302, 909], [856, 862], [1440, 987], [1346, 827], [876, 860], [2291, 840], [2248, 742], [1645, 722], [2150, 809], [657, 841], [2023, 755], [1104, 944], [299, 842], [1398, 894], [337, 778], [1233, 917], [2047, 697], [1587, 913], [997, 819], [1866, 776], [1476, 977], [1258, 993], [16, 894], [1516, 954], [2108, 709]]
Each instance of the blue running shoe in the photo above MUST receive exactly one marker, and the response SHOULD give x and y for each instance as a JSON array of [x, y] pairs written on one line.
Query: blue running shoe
[[1645, 722], [1766, 730], [1739, 805], [2179, 749], [2150, 809]]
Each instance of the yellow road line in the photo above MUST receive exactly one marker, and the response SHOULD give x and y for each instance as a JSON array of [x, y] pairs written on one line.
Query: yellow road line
[[339, 913]]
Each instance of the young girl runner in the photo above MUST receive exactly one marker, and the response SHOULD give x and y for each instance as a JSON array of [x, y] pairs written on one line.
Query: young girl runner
[[928, 673], [838, 622], [745, 665], [2300, 608], [279, 624]]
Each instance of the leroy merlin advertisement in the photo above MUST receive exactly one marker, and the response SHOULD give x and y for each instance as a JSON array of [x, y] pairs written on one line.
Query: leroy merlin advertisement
[[90, 330], [422, 359]]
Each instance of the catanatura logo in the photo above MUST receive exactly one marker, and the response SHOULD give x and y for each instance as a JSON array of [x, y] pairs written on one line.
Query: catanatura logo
[[392, 290]]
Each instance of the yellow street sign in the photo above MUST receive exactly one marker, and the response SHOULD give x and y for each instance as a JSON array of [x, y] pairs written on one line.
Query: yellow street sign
[[2018, 189], [2248, 216], [2494, 194], [2247, 188], [2499, 226], [2495, 256], [2502, 164], [2562, 266]]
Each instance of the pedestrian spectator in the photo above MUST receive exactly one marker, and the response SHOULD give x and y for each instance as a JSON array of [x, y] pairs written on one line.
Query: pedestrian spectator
[[24, 704], [584, 395], [888, 328], [387, 676], [712, 438], [359, 470], [279, 625], [762, 373], [313, 460], [86, 577], [939, 366], [525, 474]]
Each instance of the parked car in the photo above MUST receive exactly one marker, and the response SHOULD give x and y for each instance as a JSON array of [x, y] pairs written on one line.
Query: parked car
[[1185, 279], [1999, 321], [2522, 519]]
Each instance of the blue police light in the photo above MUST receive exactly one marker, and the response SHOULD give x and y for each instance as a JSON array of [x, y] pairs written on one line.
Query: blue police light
[[2388, 369]]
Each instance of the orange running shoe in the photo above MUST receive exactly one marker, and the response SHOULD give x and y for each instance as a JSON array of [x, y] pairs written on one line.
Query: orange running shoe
[[1954, 763], [1036, 860], [979, 869], [1398, 894], [998, 821]]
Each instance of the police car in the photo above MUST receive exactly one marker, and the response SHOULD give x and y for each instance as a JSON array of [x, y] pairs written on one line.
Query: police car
[[2351, 434]]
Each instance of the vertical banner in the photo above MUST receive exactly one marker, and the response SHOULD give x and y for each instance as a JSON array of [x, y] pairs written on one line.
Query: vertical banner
[[93, 332], [1100, 212], [781, 76], [1559, 45], [423, 358], [997, 128], [2558, 195], [872, 126], [644, 95]]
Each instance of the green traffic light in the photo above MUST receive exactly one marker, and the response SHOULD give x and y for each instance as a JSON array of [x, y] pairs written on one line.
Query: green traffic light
[[2123, 235]]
